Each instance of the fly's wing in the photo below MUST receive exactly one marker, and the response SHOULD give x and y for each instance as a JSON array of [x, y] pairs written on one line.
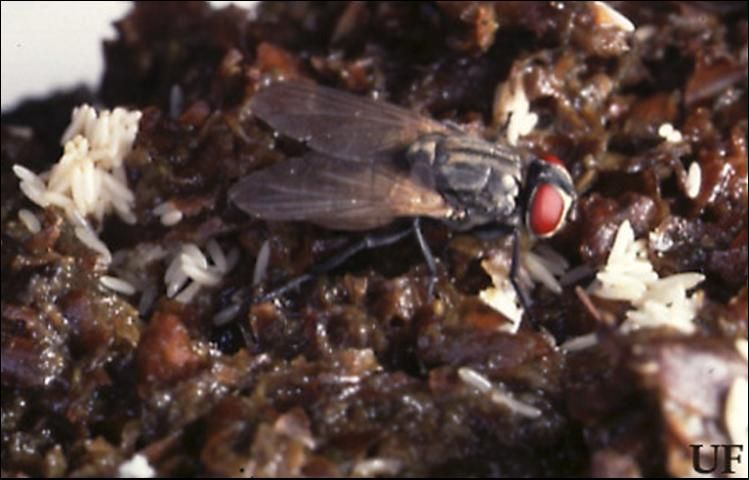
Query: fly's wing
[[339, 124], [335, 194]]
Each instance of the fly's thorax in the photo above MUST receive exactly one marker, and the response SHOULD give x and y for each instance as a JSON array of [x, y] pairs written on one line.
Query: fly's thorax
[[480, 180]]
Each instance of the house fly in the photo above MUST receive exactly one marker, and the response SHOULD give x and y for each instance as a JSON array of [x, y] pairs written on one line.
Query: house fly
[[371, 162]]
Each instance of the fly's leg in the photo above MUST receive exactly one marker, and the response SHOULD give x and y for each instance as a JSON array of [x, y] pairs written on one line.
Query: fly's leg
[[428, 256], [366, 243], [525, 302]]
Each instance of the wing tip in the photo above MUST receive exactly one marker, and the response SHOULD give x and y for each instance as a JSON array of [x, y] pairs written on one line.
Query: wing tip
[[239, 192]]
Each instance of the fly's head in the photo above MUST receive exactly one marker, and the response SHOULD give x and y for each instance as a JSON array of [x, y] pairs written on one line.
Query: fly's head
[[548, 198]]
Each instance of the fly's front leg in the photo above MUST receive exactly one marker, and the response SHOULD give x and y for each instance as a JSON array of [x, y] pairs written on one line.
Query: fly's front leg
[[428, 257], [366, 243]]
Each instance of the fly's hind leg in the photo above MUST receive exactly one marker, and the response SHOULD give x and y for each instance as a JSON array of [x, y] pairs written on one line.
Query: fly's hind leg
[[370, 241], [366, 243]]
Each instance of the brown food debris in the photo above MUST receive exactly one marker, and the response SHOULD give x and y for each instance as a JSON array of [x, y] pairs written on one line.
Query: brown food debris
[[165, 353]]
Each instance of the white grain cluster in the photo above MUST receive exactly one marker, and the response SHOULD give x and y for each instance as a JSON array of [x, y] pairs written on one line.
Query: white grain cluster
[[659, 302], [546, 266], [190, 270], [89, 178]]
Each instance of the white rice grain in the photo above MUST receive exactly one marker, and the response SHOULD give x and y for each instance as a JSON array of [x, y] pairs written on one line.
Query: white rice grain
[[186, 295], [100, 136], [116, 187], [376, 466], [28, 176], [540, 272], [202, 276], [163, 208], [60, 178], [217, 255], [126, 216], [171, 271], [607, 16], [117, 284], [76, 218], [29, 220], [91, 184], [552, 260], [172, 218], [227, 314], [88, 238], [473, 378], [581, 342], [78, 188], [191, 254], [615, 286], [523, 409], [261, 263], [498, 395], [176, 283], [625, 237], [81, 115], [34, 194], [119, 173], [694, 180], [21, 132]]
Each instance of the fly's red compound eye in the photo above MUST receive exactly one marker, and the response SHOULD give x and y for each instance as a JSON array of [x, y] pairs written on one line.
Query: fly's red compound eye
[[547, 210]]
